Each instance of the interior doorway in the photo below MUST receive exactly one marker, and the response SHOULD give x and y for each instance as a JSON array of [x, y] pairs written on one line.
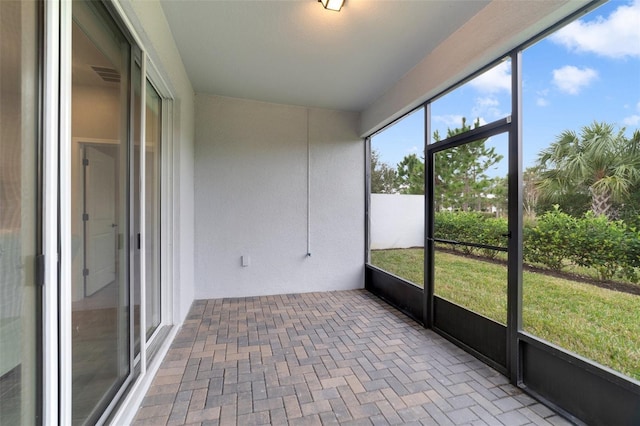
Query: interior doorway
[[100, 228]]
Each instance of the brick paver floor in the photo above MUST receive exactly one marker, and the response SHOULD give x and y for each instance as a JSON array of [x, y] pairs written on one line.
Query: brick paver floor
[[341, 357]]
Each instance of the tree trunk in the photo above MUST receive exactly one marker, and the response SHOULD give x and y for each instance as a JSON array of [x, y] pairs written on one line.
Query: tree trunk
[[601, 203]]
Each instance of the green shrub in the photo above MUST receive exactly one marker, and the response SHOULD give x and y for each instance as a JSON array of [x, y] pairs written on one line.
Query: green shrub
[[633, 248], [555, 240], [599, 244], [551, 241], [471, 227], [458, 226], [609, 247], [492, 232], [632, 264]]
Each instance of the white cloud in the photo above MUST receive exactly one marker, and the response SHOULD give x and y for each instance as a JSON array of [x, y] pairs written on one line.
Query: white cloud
[[617, 36], [487, 107], [451, 120], [633, 120], [572, 80], [542, 102], [413, 149], [487, 102], [496, 79]]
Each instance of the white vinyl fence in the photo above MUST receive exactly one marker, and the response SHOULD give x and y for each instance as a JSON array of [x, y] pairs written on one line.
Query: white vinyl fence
[[397, 221]]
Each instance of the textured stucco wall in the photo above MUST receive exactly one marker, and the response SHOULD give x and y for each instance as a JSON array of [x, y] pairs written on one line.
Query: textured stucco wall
[[251, 199]]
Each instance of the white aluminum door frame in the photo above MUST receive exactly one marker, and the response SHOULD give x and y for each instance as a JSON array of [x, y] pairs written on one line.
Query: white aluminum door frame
[[52, 107], [57, 212]]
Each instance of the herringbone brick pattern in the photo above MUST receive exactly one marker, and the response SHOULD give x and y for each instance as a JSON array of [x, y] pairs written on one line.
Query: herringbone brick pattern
[[324, 358]]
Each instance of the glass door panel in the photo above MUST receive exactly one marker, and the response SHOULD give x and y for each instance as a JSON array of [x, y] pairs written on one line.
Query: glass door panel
[[470, 226], [19, 229], [152, 207], [136, 79], [100, 224]]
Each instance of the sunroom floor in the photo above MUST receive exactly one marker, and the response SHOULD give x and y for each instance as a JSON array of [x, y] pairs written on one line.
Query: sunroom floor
[[343, 357]]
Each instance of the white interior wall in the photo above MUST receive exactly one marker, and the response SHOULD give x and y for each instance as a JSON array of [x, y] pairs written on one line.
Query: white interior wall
[[148, 20], [251, 199]]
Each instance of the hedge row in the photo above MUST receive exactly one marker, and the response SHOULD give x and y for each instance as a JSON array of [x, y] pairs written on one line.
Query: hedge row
[[471, 227], [555, 240]]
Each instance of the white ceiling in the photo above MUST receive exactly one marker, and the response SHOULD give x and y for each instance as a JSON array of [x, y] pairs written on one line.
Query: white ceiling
[[295, 52]]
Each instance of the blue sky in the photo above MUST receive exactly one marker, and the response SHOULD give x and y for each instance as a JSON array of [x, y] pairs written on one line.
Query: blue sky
[[589, 70]]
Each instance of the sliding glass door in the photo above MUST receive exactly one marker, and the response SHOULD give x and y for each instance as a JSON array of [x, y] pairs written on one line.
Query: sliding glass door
[[20, 235], [114, 236], [150, 182], [101, 333], [116, 139], [153, 132]]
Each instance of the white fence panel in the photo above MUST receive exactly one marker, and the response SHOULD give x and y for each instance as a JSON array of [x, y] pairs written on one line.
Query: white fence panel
[[397, 221]]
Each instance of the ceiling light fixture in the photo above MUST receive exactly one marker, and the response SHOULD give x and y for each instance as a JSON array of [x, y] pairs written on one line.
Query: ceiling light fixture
[[332, 4]]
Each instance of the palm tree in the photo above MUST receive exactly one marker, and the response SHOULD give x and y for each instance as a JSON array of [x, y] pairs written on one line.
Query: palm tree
[[600, 161], [530, 191]]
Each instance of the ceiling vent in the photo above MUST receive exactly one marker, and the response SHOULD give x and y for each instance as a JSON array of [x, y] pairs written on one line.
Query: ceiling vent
[[107, 74]]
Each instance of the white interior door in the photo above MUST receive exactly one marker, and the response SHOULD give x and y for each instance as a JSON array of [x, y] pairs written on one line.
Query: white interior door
[[101, 229]]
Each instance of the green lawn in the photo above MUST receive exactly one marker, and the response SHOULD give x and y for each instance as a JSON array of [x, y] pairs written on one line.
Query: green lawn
[[597, 323]]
